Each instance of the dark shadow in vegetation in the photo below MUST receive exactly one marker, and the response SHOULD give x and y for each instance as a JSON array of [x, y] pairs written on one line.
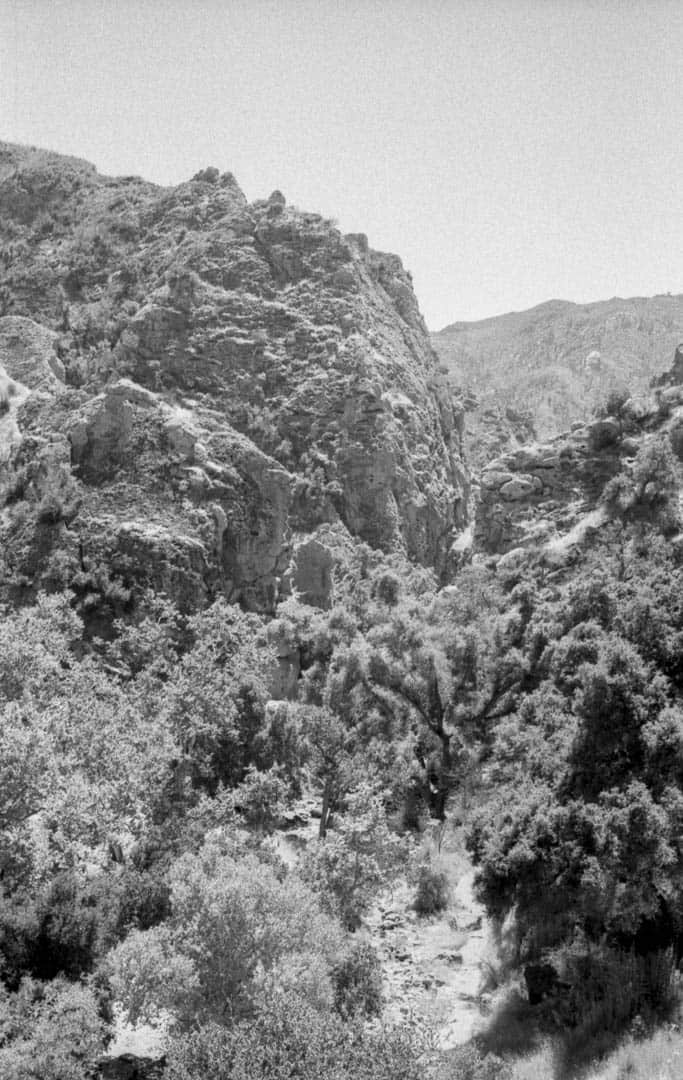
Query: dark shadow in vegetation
[[514, 1028]]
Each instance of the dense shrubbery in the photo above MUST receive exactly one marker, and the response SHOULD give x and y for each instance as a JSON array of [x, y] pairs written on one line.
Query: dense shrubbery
[[581, 831], [289, 1038], [141, 779]]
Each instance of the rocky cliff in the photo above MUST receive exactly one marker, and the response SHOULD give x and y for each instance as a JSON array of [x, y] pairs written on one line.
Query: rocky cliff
[[193, 386], [549, 495]]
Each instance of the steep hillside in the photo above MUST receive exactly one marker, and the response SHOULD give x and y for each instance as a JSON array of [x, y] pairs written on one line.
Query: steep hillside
[[558, 361], [551, 495], [195, 384]]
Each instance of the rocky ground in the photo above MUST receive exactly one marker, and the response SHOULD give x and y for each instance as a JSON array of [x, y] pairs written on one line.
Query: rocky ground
[[434, 967]]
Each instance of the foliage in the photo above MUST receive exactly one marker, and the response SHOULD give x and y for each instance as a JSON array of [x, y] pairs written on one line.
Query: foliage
[[580, 832], [80, 764], [357, 859], [406, 680], [50, 1032], [214, 699], [357, 982], [261, 798], [649, 491], [292, 1039], [232, 922], [432, 890]]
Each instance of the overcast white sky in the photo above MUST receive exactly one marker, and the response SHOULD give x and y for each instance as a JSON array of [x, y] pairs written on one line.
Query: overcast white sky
[[511, 151]]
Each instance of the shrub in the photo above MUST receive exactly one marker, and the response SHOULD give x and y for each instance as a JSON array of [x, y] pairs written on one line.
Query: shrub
[[470, 1063], [355, 861], [71, 927], [261, 798], [676, 439], [357, 982], [431, 894], [19, 928], [53, 1032], [233, 922], [290, 1039], [605, 988]]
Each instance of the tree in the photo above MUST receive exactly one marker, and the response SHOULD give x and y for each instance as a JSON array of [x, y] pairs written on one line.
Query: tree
[[214, 701], [50, 1032], [233, 921], [580, 833], [80, 764], [329, 744], [356, 859], [647, 492]]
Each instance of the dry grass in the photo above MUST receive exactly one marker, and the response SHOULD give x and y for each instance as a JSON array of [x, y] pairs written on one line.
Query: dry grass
[[536, 1050], [658, 1057]]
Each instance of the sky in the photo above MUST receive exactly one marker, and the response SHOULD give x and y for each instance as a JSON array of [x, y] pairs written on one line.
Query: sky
[[510, 151]]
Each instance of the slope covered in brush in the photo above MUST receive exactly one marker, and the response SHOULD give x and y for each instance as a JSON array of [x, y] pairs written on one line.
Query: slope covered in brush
[[558, 361]]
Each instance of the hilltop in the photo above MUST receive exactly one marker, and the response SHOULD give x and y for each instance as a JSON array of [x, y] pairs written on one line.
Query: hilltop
[[200, 385]]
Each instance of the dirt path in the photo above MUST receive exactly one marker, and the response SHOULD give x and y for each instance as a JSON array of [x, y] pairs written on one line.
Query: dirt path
[[434, 968]]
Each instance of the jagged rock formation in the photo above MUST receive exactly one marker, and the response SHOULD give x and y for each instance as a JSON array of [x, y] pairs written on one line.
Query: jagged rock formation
[[493, 430], [547, 494], [200, 384], [559, 360]]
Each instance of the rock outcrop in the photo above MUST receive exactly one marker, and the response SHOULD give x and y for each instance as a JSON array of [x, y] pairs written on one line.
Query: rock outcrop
[[207, 382], [549, 493]]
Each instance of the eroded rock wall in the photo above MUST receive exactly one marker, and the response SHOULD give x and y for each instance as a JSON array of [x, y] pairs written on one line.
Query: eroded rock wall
[[540, 492], [218, 380]]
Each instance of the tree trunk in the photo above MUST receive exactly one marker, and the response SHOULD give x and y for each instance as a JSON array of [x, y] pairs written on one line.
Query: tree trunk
[[444, 778], [326, 808]]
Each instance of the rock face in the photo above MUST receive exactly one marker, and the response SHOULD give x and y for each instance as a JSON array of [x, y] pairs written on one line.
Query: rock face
[[548, 492], [207, 382]]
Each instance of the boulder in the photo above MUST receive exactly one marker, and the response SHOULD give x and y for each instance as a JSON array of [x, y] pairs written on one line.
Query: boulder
[[28, 353], [521, 487]]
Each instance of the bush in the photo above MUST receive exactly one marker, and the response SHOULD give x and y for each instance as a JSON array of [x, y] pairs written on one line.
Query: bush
[[469, 1063], [356, 861], [53, 1032], [291, 1040], [69, 929], [606, 988], [234, 928], [357, 982], [432, 891], [261, 798]]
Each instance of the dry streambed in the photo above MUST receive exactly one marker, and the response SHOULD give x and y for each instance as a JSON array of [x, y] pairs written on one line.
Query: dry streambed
[[434, 967]]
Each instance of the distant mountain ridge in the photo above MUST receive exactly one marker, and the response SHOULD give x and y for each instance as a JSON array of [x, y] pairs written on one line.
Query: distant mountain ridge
[[559, 360]]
